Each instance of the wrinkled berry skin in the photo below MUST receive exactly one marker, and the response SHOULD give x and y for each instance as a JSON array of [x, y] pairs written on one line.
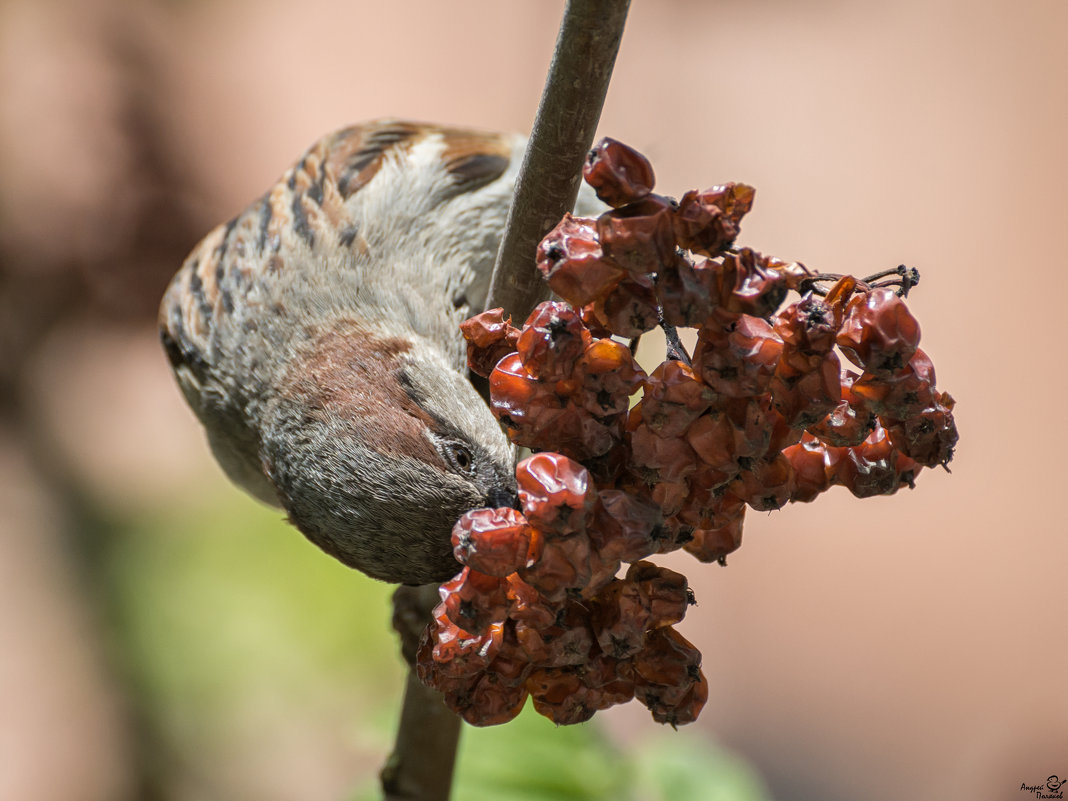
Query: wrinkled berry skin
[[618, 173]]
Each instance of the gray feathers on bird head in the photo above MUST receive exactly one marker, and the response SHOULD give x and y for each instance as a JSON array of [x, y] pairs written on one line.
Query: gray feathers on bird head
[[377, 446]]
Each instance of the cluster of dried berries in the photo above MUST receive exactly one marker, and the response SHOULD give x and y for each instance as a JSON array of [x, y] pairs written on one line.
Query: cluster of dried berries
[[538, 609], [760, 415]]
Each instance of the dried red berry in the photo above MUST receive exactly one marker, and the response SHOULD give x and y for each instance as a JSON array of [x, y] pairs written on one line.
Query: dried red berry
[[474, 601], [496, 542], [748, 285], [560, 695], [674, 397], [738, 360], [665, 593], [571, 259], [765, 486], [661, 458], [610, 377], [623, 526], [639, 236], [850, 422], [813, 473], [707, 222], [564, 565], [555, 491], [630, 309], [712, 437], [552, 341], [928, 437], [448, 652], [875, 467], [879, 333], [805, 398], [808, 326], [618, 174], [488, 701], [900, 394], [683, 291], [714, 544], [489, 339]]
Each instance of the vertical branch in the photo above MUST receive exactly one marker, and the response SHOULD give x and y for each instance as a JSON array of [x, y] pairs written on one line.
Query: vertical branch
[[567, 118], [422, 762], [421, 765]]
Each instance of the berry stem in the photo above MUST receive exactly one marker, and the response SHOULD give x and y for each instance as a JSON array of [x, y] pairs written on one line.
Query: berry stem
[[424, 755], [902, 277], [676, 351], [567, 117]]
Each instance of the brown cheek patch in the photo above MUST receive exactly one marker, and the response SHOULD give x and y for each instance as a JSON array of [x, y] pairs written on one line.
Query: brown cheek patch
[[353, 377]]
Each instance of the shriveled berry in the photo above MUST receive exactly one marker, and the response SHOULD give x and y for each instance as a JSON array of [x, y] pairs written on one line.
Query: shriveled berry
[[488, 701], [489, 339], [560, 695], [474, 601], [714, 544], [661, 458], [666, 593], [871, 468], [630, 308], [552, 340], [492, 541], [712, 437], [527, 605], [618, 174], [620, 617], [564, 565], [810, 462], [753, 423], [850, 422], [766, 486], [555, 491], [581, 435], [665, 669], [749, 285], [901, 394], [738, 360], [879, 333], [684, 710], [572, 261], [805, 398], [683, 291], [708, 221], [610, 376], [673, 398], [623, 526], [525, 406], [928, 437], [808, 326], [639, 236], [447, 651], [712, 507]]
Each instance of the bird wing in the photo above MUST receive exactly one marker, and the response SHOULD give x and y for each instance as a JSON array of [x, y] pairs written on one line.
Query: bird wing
[[389, 218]]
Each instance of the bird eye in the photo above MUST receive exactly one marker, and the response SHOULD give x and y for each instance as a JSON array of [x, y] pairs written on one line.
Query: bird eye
[[460, 457]]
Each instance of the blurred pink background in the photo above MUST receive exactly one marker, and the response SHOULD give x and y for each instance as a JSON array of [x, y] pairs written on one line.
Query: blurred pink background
[[907, 647]]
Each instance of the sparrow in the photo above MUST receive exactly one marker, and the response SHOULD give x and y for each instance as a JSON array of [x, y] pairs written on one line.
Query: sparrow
[[315, 335]]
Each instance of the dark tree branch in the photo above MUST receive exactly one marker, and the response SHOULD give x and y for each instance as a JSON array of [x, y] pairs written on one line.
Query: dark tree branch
[[421, 765], [423, 758], [563, 132]]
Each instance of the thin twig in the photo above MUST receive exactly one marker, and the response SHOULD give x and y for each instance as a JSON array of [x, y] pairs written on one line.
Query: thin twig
[[567, 118]]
